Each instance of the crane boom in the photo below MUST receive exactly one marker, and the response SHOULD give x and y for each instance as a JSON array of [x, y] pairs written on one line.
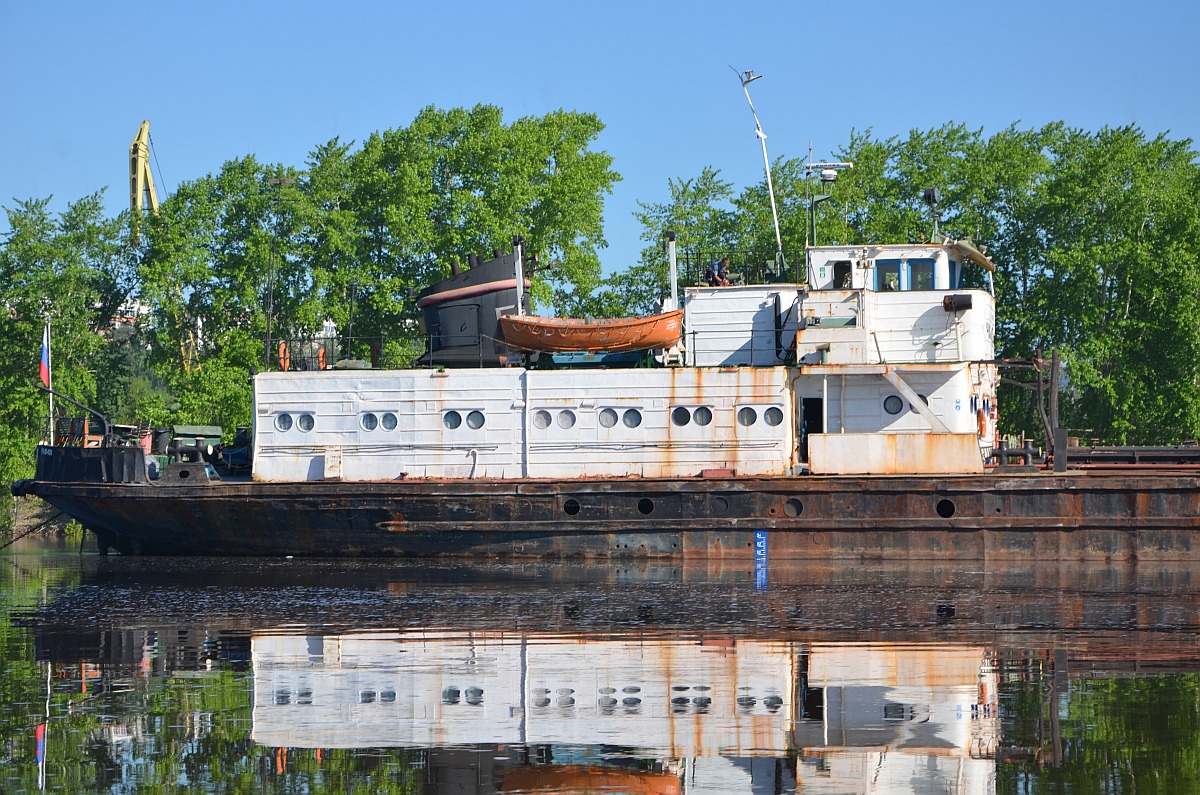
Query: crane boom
[[141, 183]]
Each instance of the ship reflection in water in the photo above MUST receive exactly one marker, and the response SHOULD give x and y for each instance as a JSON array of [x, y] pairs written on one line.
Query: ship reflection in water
[[571, 679], [662, 715]]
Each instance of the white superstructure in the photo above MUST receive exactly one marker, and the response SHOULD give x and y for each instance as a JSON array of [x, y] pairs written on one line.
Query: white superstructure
[[883, 365]]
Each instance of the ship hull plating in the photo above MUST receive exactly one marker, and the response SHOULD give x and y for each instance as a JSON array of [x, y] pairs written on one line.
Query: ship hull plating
[[1078, 516]]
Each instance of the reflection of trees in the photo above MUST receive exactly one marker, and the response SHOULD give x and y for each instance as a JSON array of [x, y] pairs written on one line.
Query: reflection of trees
[[1100, 735], [160, 734]]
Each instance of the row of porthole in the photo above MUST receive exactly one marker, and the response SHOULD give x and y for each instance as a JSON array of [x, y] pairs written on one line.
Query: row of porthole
[[894, 404], [631, 418], [792, 508], [305, 422], [680, 415], [370, 422], [453, 419]]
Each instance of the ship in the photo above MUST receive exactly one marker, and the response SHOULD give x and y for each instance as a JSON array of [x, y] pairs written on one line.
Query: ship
[[847, 409]]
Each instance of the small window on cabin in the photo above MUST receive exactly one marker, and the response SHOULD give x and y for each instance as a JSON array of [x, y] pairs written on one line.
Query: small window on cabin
[[956, 275], [920, 274], [887, 275], [843, 278], [608, 418]]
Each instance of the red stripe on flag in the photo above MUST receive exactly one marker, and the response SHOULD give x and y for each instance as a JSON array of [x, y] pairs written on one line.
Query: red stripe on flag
[[44, 368]]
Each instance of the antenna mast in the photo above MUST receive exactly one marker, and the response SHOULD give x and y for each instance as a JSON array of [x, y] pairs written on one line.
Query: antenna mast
[[746, 78]]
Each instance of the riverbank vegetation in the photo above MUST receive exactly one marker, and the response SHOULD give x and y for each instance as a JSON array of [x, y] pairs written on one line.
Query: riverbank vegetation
[[1095, 235]]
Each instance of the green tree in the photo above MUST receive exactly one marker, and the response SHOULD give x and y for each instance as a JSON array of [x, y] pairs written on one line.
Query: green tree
[[77, 269]]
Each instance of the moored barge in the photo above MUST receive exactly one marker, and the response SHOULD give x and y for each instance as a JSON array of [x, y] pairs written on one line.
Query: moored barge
[[850, 413]]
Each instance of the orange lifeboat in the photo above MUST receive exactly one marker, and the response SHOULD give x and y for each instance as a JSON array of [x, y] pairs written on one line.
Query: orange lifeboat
[[578, 779], [577, 334]]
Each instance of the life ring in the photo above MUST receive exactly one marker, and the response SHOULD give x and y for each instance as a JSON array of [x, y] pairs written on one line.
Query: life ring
[[285, 357], [320, 358], [982, 417]]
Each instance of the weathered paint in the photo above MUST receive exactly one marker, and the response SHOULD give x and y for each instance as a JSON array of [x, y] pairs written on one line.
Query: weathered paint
[[893, 453], [1053, 517]]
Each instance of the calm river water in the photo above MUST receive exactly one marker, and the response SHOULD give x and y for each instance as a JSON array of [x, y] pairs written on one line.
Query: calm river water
[[294, 676]]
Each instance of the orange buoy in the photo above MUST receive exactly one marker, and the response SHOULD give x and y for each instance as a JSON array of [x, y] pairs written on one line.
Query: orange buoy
[[285, 356], [320, 358]]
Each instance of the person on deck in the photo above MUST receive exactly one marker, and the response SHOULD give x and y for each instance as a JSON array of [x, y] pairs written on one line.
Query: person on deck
[[717, 274]]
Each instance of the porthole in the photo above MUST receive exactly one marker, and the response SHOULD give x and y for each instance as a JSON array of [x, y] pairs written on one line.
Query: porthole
[[305, 422], [608, 418], [284, 422], [773, 416], [632, 418], [369, 421], [702, 415], [566, 419], [945, 509], [452, 419], [892, 404], [747, 416], [571, 507], [680, 415], [645, 506], [475, 420], [541, 419], [388, 421]]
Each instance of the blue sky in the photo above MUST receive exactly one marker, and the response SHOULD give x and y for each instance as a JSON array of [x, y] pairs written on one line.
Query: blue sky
[[220, 80]]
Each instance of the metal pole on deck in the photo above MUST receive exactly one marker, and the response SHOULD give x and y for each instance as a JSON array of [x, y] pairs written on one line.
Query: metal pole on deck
[[519, 253], [674, 269], [746, 78]]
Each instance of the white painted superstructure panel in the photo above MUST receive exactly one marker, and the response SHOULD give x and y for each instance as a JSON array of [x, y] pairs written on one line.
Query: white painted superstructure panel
[[513, 423]]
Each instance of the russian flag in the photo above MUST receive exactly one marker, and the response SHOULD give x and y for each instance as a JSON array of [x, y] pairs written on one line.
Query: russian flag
[[44, 369], [39, 737]]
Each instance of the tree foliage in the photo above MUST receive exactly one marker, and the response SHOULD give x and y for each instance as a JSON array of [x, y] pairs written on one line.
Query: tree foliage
[[353, 229]]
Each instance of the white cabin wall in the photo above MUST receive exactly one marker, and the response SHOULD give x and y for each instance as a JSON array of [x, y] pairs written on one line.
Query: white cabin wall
[[658, 447], [419, 446], [856, 405], [735, 326], [571, 445], [913, 327]]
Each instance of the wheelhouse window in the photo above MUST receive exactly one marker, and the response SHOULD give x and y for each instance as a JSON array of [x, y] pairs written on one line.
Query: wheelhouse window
[[887, 275], [920, 275]]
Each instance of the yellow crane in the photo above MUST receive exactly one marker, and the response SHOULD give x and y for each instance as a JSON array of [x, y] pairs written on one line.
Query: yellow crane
[[142, 196], [141, 183]]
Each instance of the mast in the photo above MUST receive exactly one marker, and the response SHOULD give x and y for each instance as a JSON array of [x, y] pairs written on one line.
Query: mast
[[746, 78]]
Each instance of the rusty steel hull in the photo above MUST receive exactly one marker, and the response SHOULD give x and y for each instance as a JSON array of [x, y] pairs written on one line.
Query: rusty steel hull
[[1074, 516]]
